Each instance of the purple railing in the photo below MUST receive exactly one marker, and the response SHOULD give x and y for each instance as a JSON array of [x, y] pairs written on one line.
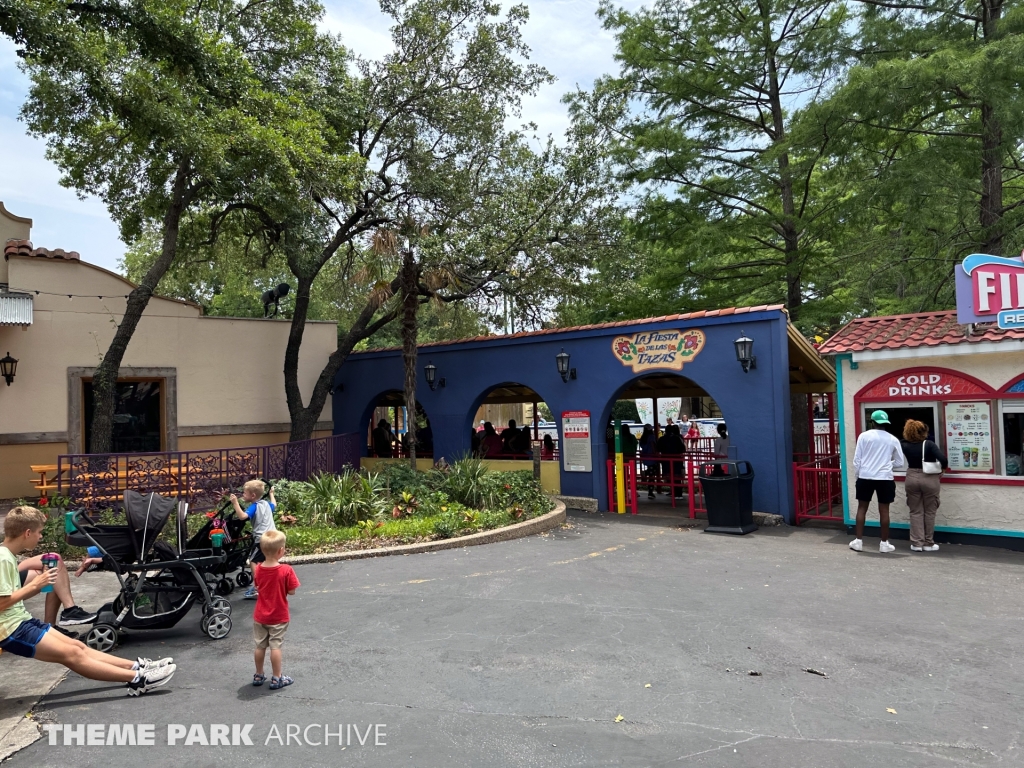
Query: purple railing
[[98, 480]]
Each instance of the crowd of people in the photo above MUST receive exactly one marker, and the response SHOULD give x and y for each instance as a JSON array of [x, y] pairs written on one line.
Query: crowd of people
[[384, 443]]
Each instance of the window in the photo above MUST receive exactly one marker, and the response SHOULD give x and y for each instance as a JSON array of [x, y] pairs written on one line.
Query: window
[[1012, 437], [138, 416]]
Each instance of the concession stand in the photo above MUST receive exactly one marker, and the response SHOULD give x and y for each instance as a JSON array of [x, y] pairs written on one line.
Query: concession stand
[[963, 376]]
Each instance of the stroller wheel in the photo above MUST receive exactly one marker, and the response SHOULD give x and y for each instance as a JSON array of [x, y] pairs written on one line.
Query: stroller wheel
[[102, 637], [216, 625], [243, 579], [225, 587], [220, 605]]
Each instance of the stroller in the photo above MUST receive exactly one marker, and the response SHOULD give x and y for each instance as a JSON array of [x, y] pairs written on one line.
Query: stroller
[[237, 548], [158, 584]]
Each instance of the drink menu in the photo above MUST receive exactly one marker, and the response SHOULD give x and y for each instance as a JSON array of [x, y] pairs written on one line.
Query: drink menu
[[969, 436]]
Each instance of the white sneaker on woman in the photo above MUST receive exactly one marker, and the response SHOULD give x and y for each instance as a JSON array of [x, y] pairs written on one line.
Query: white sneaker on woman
[[932, 548], [885, 546]]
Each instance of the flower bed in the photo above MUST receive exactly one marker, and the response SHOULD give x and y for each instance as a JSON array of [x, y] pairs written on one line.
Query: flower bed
[[362, 510]]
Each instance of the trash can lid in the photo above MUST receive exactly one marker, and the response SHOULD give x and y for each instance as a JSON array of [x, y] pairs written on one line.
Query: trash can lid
[[728, 469]]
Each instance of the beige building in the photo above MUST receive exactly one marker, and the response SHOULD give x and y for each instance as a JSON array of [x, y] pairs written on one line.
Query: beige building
[[966, 384], [187, 382]]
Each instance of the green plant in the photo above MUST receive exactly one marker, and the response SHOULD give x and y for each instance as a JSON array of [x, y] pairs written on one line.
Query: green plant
[[369, 528], [466, 481], [343, 499], [448, 525], [406, 506]]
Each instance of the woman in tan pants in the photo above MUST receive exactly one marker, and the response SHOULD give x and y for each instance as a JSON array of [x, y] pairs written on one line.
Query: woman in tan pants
[[922, 489]]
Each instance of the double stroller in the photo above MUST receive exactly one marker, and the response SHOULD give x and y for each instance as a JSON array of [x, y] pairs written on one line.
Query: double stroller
[[159, 581]]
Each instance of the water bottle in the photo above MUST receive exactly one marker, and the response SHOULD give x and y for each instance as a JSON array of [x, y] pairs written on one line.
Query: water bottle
[[50, 561]]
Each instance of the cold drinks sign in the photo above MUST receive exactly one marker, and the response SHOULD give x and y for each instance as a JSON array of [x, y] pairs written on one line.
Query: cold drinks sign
[[990, 289]]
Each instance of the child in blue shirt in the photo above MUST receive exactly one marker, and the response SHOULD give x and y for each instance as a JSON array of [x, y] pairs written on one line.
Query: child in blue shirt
[[261, 512]]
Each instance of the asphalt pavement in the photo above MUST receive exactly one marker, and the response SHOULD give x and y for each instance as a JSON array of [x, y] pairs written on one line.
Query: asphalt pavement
[[611, 642]]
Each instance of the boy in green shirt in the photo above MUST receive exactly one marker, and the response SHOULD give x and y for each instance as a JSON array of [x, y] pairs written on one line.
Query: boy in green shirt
[[23, 635]]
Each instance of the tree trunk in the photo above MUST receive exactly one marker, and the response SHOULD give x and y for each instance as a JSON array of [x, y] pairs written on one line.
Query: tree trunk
[[787, 228], [991, 213], [304, 418], [410, 305], [104, 382]]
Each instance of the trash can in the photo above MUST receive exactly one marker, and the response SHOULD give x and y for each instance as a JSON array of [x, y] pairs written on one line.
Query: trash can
[[728, 493]]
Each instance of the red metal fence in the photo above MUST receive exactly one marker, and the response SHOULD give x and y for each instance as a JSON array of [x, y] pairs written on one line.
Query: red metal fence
[[98, 480], [818, 488], [676, 475]]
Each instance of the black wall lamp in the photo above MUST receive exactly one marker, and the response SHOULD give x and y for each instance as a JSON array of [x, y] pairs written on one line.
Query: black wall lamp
[[430, 371], [745, 352], [8, 367], [562, 361]]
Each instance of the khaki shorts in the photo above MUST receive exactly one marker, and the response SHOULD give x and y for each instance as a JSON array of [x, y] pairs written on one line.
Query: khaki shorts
[[271, 635]]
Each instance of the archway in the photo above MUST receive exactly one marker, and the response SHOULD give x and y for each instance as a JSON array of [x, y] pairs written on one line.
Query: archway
[[398, 428], [676, 432], [519, 417]]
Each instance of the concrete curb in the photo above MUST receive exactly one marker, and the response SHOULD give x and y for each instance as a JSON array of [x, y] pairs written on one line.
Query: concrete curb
[[552, 519], [586, 503]]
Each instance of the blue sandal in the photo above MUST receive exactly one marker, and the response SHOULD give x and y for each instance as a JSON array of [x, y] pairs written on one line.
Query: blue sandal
[[259, 679], [280, 682]]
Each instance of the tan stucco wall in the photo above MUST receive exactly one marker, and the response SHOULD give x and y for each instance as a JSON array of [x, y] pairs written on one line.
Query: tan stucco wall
[[228, 371], [15, 461], [974, 506], [550, 477]]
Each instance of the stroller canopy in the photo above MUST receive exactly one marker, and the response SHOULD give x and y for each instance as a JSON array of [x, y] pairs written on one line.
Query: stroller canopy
[[147, 515]]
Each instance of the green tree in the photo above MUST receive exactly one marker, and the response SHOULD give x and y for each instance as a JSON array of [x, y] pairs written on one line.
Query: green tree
[[708, 106], [495, 217], [167, 109]]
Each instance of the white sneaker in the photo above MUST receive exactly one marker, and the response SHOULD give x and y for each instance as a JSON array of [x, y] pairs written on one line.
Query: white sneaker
[[932, 548], [150, 679], [857, 545], [915, 548], [885, 546], [151, 664]]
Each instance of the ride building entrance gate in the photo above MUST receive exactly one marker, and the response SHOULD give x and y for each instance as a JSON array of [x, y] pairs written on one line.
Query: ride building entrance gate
[[690, 354]]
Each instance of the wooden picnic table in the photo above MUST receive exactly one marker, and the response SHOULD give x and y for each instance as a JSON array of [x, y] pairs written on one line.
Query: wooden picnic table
[[45, 483]]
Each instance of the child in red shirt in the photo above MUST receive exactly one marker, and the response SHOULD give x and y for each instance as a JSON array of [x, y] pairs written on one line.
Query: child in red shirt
[[274, 582]]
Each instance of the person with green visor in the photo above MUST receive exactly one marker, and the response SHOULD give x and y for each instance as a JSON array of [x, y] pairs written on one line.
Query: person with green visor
[[877, 454]]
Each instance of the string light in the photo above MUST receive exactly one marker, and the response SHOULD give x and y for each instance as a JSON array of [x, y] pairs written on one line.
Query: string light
[[73, 296]]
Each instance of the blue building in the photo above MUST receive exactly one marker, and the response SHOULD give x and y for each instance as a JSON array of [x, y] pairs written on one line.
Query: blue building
[[687, 355]]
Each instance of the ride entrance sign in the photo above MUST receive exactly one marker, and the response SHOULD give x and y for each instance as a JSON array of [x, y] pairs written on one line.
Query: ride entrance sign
[[576, 451]]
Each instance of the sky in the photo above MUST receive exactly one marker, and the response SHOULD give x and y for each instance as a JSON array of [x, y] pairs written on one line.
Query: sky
[[565, 37]]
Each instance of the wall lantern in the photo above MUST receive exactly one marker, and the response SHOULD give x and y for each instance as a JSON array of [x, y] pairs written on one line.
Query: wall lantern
[[562, 361], [8, 367], [430, 371], [745, 352]]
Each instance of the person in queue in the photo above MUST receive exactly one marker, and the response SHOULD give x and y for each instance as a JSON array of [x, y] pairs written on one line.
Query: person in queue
[[874, 459], [922, 487]]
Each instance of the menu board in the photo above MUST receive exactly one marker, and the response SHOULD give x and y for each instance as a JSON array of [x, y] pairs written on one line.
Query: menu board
[[576, 452], [969, 436]]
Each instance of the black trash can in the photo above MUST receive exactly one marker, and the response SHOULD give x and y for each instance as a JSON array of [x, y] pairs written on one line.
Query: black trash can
[[728, 493]]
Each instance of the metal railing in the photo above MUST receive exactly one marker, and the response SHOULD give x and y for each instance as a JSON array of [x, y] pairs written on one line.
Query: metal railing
[[818, 488], [96, 481], [676, 475]]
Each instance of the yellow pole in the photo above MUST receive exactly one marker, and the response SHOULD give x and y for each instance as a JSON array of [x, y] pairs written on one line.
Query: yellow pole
[[620, 475]]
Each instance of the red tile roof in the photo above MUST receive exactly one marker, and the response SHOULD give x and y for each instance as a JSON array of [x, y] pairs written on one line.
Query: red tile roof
[[622, 323], [926, 329], [24, 248]]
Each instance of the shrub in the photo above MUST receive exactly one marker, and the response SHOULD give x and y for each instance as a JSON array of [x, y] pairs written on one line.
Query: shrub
[[518, 490], [288, 494], [467, 481], [344, 499]]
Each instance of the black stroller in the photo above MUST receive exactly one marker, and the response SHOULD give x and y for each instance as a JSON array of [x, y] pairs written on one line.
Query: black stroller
[[158, 584], [237, 548]]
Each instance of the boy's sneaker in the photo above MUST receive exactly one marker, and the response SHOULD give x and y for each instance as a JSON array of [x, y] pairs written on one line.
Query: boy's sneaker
[[152, 664], [857, 545], [75, 615], [250, 594], [885, 546], [150, 679]]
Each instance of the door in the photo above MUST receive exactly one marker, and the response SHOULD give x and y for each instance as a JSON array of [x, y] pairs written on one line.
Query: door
[[139, 425]]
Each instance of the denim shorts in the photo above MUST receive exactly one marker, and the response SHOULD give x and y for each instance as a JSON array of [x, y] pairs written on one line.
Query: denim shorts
[[23, 640]]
